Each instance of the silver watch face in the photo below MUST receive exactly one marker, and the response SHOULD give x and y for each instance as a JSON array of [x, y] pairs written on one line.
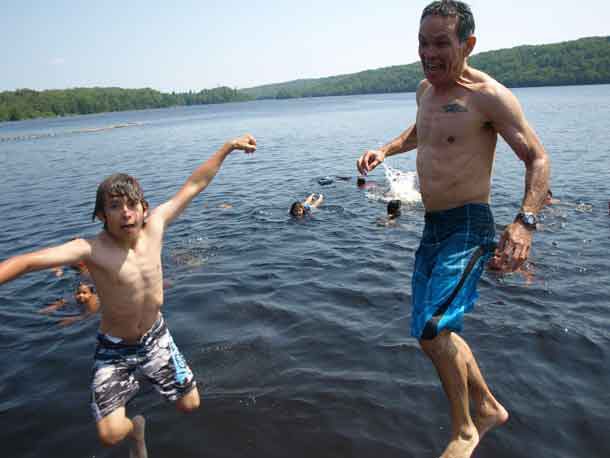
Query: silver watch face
[[529, 219]]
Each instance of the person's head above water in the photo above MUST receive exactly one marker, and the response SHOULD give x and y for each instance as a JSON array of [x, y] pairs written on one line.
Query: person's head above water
[[361, 181], [394, 208], [446, 39], [298, 210], [83, 293], [120, 205]]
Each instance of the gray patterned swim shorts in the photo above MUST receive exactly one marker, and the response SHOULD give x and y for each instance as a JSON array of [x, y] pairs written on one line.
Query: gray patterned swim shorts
[[155, 356]]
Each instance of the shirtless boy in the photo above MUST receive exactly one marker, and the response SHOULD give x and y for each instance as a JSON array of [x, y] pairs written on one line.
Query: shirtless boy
[[460, 113], [125, 264]]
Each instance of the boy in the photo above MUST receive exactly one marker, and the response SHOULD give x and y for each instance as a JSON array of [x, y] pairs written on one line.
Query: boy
[[125, 264], [300, 209], [85, 296]]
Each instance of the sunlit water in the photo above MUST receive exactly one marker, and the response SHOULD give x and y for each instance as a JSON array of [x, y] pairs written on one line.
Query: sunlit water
[[298, 332]]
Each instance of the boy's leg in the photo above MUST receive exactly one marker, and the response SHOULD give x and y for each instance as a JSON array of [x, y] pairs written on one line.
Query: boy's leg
[[115, 427], [189, 402], [451, 362]]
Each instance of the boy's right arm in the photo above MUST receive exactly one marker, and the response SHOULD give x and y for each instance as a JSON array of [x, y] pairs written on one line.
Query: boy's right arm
[[68, 253]]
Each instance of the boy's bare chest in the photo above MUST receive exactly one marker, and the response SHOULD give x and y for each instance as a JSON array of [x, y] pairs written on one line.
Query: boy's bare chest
[[141, 265]]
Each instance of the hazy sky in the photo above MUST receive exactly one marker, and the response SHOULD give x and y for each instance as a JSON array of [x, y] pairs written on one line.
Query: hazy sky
[[195, 44]]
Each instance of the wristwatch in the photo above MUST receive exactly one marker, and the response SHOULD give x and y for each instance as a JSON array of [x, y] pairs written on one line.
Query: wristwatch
[[529, 219]]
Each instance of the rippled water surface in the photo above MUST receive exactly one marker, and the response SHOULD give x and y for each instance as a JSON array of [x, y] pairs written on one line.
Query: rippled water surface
[[298, 332]]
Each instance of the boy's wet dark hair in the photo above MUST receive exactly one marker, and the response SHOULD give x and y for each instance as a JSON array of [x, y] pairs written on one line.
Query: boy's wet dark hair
[[121, 185], [394, 207], [360, 181], [451, 8]]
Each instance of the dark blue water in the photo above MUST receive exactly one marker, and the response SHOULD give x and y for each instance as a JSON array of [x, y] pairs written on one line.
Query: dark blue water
[[298, 333]]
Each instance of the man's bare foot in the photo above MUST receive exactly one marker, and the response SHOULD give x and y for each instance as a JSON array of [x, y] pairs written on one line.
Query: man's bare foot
[[463, 445], [137, 447], [489, 416]]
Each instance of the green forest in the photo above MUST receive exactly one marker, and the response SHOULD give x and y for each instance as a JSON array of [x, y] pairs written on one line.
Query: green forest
[[26, 103], [583, 61]]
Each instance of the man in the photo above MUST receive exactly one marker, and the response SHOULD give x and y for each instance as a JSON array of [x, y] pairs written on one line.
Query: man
[[460, 113]]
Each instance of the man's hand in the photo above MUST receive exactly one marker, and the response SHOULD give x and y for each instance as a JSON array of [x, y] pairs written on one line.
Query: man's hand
[[514, 247], [369, 160], [245, 143]]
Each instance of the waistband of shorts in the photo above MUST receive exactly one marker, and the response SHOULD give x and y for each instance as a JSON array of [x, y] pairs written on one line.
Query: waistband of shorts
[[108, 340], [468, 211]]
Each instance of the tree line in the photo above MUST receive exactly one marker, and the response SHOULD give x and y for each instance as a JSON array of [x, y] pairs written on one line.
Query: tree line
[[27, 103], [583, 61]]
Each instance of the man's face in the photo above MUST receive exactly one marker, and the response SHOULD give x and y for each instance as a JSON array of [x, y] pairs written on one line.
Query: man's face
[[124, 217], [440, 51]]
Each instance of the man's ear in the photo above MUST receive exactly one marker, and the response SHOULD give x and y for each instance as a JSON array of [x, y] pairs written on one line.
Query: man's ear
[[469, 45]]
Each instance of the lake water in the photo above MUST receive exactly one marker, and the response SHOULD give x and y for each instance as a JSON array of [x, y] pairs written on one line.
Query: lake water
[[298, 333]]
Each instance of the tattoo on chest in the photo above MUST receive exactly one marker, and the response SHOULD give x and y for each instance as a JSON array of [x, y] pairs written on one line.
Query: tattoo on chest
[[454, 108]]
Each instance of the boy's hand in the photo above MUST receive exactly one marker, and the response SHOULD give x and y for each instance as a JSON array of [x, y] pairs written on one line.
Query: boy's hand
[[245, 143]]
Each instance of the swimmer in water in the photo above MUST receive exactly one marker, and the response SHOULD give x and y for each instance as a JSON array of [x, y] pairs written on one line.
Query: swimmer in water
[[393, 210], [79, 267], [549, 200], [84, 295], [301, 209]]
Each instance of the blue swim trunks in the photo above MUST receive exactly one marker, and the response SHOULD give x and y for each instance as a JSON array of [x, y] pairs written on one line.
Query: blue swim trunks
[[455, 246]]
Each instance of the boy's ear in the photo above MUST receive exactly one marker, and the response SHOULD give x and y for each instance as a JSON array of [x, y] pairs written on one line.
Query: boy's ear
[[101, 216]]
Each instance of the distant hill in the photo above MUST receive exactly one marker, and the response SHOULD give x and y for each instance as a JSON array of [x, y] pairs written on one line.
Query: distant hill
[[583, 61]]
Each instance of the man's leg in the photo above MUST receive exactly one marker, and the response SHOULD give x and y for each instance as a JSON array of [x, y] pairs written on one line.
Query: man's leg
[[451, 362], [489, 412], [115, 427]]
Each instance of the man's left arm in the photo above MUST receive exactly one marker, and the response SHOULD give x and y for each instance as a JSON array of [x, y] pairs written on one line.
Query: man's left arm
[[509, 121]]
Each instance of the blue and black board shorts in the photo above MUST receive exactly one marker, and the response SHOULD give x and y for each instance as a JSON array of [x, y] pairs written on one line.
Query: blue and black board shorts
[[155, 356], [455, 246]]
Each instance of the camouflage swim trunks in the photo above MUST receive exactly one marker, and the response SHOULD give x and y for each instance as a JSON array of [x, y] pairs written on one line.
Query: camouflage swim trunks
[[155, 356]]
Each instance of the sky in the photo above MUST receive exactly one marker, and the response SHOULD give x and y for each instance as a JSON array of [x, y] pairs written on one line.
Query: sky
[[184, 45]]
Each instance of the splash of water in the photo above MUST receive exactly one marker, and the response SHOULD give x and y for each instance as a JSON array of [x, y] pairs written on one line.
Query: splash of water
[[402, 185]]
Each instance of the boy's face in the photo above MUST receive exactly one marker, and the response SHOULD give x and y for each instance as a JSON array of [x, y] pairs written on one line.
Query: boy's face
[[299, 211], [123, 217], [83, 294]]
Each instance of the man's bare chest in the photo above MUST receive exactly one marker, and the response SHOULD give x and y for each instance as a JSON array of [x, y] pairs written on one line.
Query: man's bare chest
[[449, 122]]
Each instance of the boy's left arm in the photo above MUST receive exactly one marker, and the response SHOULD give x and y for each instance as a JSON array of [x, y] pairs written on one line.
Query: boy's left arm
[[201, 178]]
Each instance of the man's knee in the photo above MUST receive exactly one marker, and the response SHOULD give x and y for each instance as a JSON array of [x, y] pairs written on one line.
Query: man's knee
[[436, 346], [189, 402]]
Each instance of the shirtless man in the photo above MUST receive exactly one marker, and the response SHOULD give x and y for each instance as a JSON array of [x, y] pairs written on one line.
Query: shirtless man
[[125, 264], [460, 113]]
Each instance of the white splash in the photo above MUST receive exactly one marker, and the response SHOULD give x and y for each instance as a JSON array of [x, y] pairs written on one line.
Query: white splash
[[403, 185]]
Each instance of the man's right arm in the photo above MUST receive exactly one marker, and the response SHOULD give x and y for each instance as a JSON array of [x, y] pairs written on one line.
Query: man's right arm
[[68, 253], [406, 141]]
